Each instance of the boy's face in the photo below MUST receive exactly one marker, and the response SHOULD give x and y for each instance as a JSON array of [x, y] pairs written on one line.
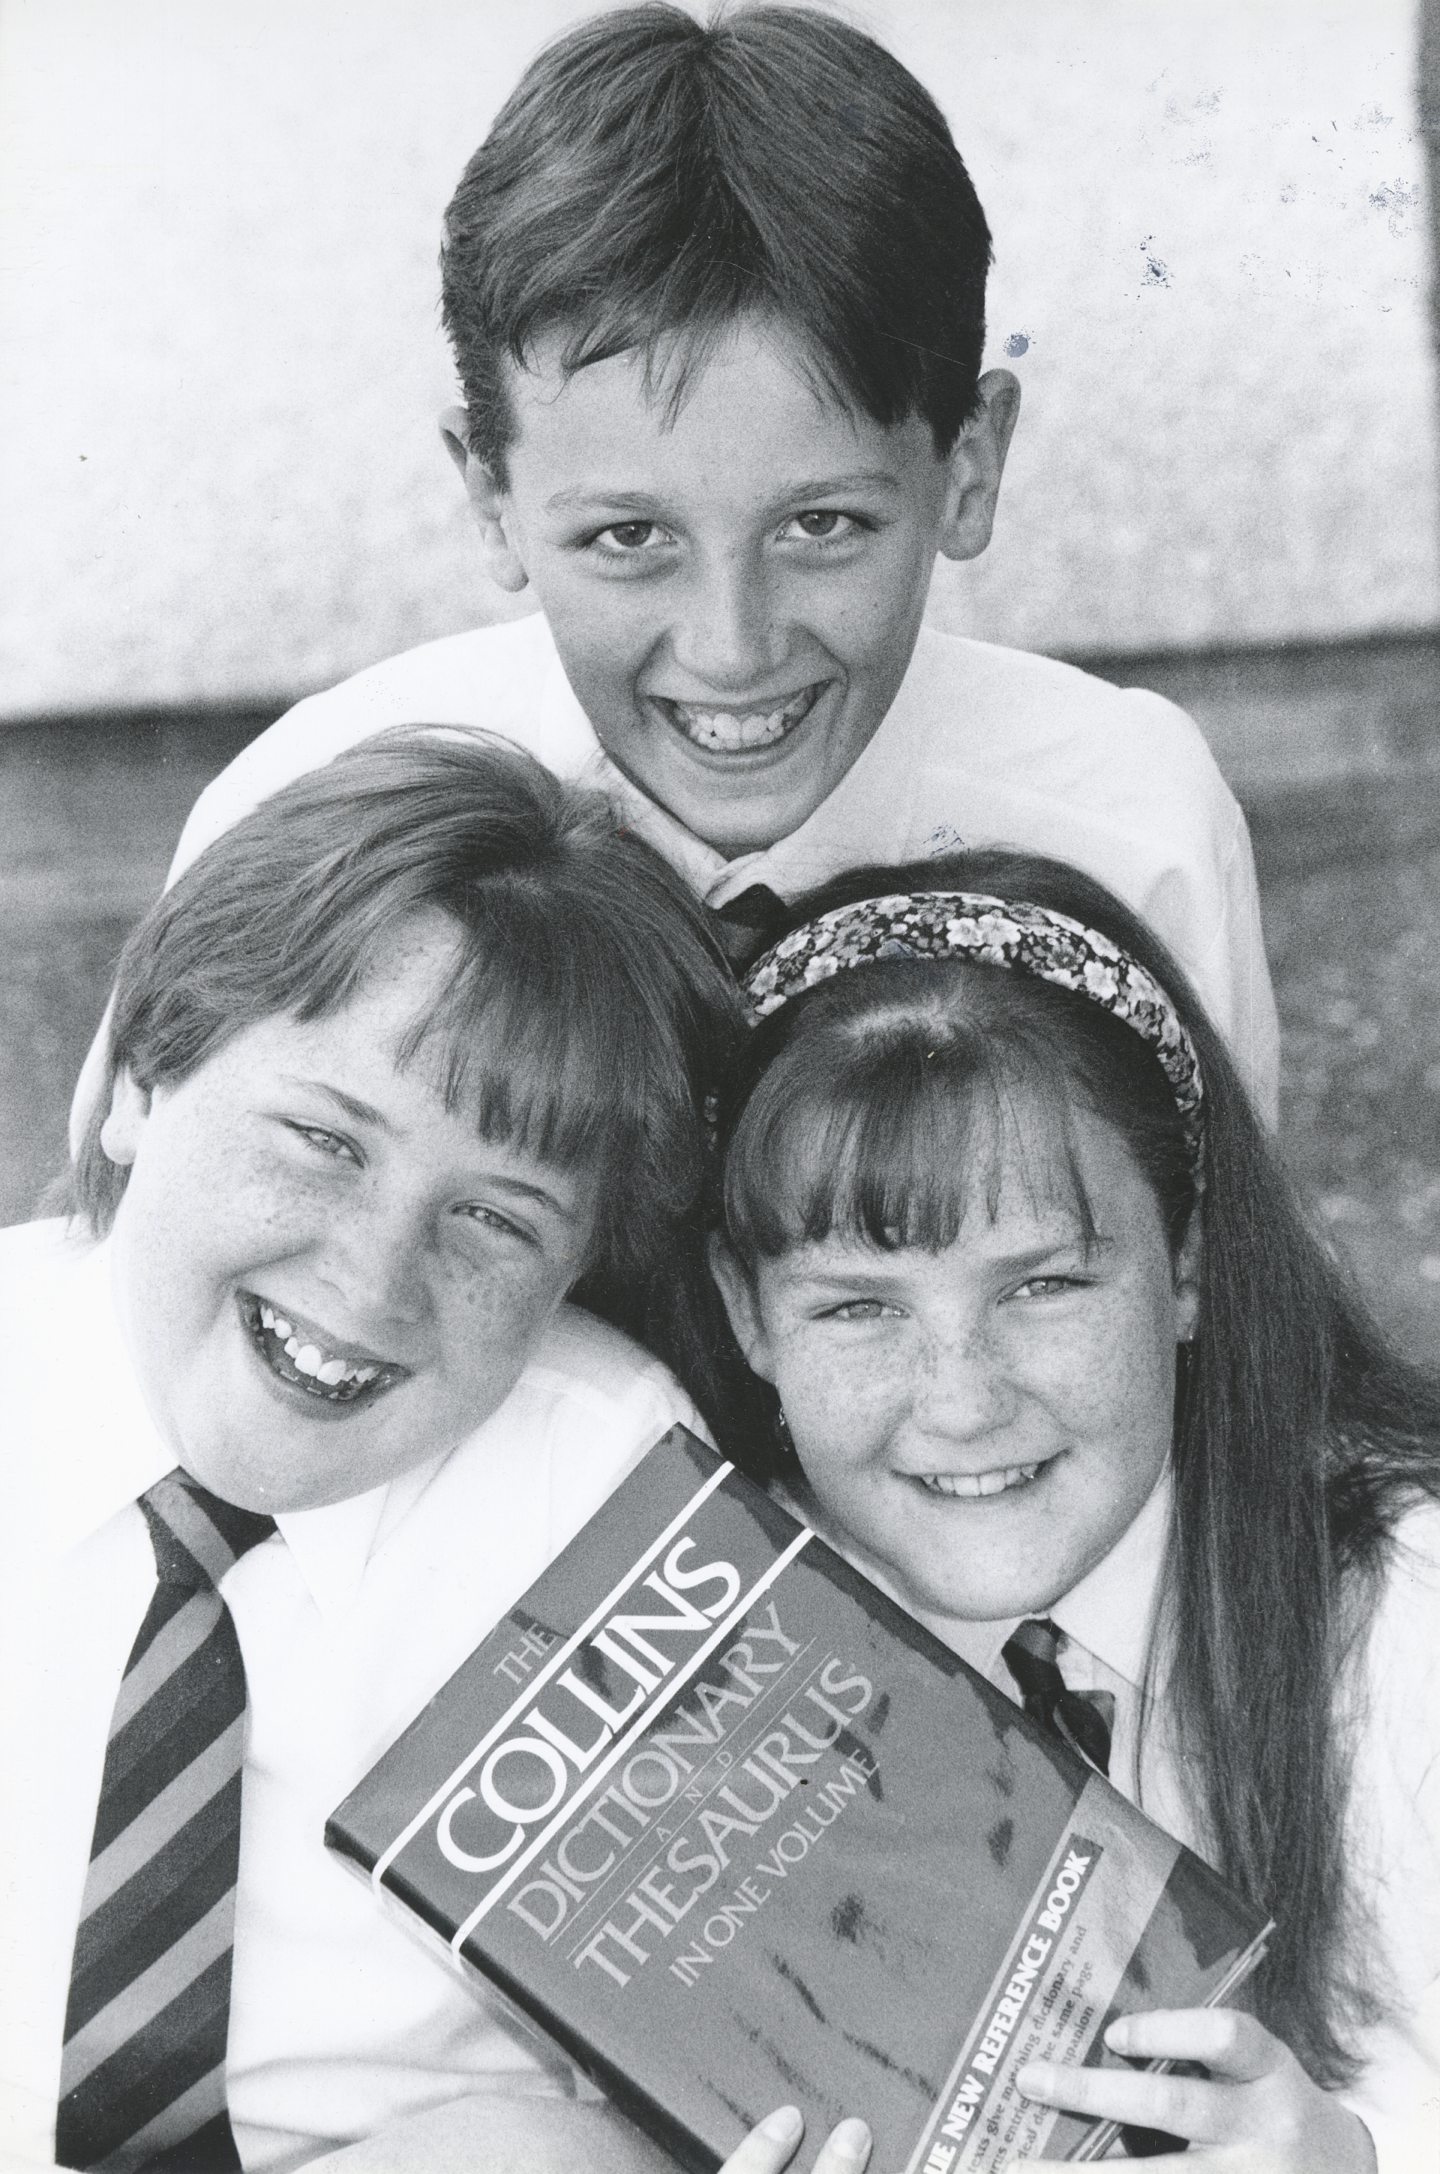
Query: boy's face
[[325, 1276], [735, 586]]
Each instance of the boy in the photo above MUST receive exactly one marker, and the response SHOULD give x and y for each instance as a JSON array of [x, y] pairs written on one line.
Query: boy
[[404, 1056], [717, 300]]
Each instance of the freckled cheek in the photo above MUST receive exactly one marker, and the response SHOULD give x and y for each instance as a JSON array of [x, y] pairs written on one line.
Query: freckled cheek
[[1112, 1390], [846, 1405], [491, 1316]]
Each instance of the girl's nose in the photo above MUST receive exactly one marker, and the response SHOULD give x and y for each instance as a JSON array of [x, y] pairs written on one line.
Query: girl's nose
[[964, 1390]]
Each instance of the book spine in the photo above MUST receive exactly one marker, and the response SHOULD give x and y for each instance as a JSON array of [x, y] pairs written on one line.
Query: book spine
[[1052, 1992], [1101, 2140]]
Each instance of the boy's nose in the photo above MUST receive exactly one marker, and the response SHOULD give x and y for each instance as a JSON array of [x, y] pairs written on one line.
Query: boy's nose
[[727, 636]]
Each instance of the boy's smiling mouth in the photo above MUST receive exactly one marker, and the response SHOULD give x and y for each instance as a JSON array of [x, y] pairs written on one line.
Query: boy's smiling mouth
[[303, 1356], [730, 730]]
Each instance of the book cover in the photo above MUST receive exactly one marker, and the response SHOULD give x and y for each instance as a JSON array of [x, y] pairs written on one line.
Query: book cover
[[737, 1831]]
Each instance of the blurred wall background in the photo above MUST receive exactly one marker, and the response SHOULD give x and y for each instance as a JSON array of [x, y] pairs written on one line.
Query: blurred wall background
[[220, 356]]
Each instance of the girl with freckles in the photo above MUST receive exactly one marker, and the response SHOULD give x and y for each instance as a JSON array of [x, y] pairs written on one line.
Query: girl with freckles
[[1036, 1332]]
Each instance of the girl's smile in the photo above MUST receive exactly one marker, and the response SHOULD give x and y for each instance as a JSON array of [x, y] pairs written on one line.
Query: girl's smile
[[985, 1419], [309, 1359], [975, 1486]]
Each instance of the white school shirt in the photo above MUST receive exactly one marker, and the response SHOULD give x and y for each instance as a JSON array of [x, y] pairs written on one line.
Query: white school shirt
[[981, 746], [1108, 1621], [349, 1618]]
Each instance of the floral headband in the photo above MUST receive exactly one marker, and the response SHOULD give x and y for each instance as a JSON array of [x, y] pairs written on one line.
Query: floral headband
[[994, 932]]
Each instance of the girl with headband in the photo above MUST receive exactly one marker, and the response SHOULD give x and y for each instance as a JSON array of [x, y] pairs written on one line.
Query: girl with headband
[[1038, 1335]]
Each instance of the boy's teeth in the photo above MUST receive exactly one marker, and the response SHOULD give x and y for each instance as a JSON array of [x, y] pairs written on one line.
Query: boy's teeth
[[715, 728], [724, 731], [970, 1484]]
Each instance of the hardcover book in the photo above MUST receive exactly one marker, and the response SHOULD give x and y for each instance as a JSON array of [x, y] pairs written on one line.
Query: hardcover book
[[737, 1831]]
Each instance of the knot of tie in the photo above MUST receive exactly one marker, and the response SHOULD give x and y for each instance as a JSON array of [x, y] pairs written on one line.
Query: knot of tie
[[749, 923], [196, 1536], [1082, 1719]]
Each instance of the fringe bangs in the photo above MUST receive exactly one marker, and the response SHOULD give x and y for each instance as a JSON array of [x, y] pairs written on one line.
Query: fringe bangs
[[531, 1042], [894, 1143]]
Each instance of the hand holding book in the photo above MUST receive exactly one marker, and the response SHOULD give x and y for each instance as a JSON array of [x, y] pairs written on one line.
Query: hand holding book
[[771, 2146], [727, 1823], [1254, 2096]]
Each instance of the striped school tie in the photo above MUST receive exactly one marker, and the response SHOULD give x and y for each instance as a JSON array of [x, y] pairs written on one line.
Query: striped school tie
[[1082, 1719], [142, 2076]]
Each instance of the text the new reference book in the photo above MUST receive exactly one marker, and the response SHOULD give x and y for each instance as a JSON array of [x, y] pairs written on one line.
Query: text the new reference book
[[738, 1831]]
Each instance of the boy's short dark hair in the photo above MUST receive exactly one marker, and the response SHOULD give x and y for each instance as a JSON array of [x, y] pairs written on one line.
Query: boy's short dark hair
[[654, 178], [589, 1008]]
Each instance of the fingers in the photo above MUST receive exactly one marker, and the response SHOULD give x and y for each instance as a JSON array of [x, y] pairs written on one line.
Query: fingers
[[1181, 2105], [771, 2145], [1223, 2040], [846, 2150]]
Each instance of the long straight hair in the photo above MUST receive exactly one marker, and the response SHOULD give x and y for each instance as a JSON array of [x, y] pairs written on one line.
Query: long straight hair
[[867, 1106]]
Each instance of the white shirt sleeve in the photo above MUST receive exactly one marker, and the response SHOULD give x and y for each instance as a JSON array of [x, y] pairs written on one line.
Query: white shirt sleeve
[[1241, 976]]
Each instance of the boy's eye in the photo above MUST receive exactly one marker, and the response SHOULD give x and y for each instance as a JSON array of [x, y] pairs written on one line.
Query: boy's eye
[[823, 525], [328, 1143], [626, 539]]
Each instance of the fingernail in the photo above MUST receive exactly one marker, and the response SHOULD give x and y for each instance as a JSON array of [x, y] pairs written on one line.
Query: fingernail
[[1036, 2079], [1118, 2037], [783, 2126], [852, 2140]]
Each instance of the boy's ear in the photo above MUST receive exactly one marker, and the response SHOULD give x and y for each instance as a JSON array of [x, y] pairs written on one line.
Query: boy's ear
[[738, 1292], [976, 464], [488, 503], [1187, 1281], [123, 1127]]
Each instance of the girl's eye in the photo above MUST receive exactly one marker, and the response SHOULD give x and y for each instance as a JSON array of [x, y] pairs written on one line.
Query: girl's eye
[[1048, 1286], [824, 526], [328, 1143], [859, 1309]]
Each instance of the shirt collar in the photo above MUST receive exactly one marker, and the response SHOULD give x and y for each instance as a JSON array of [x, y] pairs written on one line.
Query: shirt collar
[[1111, 1611], [99, 1448], [96, 1447], [333, 1546]]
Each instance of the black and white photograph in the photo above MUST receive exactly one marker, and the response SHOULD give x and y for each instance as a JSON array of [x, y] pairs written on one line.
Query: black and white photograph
[[719, 1086]]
